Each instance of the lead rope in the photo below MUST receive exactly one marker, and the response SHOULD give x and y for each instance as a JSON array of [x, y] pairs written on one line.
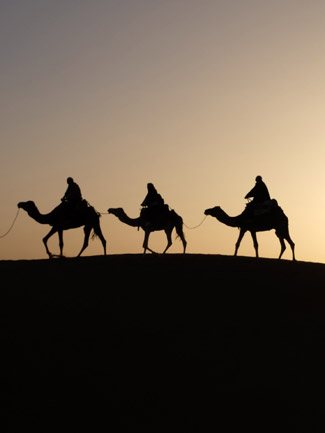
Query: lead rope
[[13, 223], [195, 227]]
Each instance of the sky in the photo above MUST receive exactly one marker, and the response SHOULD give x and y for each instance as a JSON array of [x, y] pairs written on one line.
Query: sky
[[196, 96]]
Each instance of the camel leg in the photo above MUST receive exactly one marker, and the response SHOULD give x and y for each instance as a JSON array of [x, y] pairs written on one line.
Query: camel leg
[[292, 245], [255, 242], [240, 237], [46, 238], [87, 230], [145, 243], [60, 233], [169, 240], [287, 237], [99, 233], [283, 246], [180, 233]]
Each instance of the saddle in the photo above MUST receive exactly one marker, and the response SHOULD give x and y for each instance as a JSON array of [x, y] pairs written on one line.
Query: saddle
[[149, 214], [266, 207], [73, 209]]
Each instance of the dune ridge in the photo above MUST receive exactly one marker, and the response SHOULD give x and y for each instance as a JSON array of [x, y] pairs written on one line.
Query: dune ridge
[[148, 343]]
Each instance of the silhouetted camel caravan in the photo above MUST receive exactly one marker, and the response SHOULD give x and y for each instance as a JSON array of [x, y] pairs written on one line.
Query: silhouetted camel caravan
[[261, 214], [276, 219], [167, 221], [60, 219]]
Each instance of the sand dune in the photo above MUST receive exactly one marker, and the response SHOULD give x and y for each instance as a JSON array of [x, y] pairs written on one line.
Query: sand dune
[[174, 343]]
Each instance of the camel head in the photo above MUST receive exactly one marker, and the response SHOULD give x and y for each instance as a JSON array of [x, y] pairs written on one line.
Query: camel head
[[118, 211], [28, 206], [121, 215], [214, 211]]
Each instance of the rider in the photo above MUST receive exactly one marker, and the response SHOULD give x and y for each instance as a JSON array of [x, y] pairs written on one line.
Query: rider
[[152, 198], [259, 193], [153, 203], [72, 195]]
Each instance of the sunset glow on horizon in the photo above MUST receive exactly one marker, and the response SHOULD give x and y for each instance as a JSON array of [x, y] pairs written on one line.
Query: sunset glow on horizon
[[197, 97]]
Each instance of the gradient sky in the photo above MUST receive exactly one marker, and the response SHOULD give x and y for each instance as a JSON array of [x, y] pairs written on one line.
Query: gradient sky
[[196, 96]]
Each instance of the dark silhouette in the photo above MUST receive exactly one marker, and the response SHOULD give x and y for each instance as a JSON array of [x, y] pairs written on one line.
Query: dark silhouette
[[72, 196], [63, 217], [167, 221], [153, 204], [274, 218], [152, 198], [259, 194]]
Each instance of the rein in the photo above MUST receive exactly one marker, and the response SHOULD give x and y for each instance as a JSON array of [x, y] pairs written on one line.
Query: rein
[[195, 227], [5, 234]]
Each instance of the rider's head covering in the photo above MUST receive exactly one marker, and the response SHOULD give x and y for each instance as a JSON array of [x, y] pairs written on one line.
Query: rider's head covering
[[151, 187]]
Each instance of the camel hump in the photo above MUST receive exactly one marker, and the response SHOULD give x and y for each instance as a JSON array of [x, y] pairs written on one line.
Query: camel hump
[[268, 204], [266, 207], [73, 210]]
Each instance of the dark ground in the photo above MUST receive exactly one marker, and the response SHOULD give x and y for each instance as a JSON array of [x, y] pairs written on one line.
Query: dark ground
[[194, 343]]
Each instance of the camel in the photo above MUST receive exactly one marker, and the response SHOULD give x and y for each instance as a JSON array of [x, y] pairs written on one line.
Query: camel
[[167, 221], [61, 220], [274, 219]]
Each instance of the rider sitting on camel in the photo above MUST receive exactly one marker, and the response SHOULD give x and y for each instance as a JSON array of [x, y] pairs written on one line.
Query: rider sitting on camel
[[259, 194], [153, 204], [72, 196]]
